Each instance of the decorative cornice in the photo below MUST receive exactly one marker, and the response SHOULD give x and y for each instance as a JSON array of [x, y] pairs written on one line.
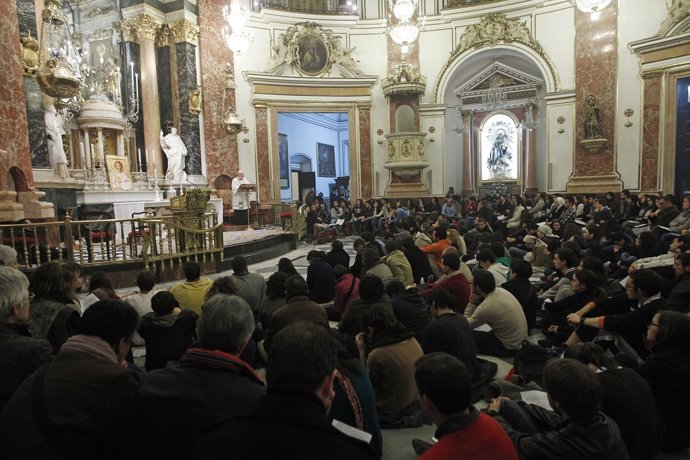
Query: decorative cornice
[[185, 31], [652, 44], [651, 74], [493, 29]]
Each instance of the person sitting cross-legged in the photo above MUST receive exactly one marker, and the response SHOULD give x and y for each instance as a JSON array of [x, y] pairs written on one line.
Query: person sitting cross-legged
[[191, 292], [574, 430], [209, 385], [500, 310], [445, 392], [167, 331]]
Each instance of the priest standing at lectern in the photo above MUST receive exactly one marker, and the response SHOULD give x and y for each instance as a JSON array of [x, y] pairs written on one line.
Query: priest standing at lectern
[[240, 199]]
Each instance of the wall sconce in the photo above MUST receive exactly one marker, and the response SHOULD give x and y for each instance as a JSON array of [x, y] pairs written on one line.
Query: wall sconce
[[380, 133], [628, 113], [560, 120]]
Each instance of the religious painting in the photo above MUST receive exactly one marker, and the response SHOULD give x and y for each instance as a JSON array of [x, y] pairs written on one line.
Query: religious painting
[[499, 147], [312, 54], [325, 155], [118, 173], [283, 160]]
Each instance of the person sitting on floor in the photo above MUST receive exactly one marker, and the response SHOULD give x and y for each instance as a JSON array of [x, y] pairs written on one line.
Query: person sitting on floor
[[454, 282], [191, 292], [141, 301], [445, 392], [209, 385], [389, 352], [301, 374], [168, 330], [497, 308], [409, 307], [252, 286], [20, 354], [78, 405], [574, 430]]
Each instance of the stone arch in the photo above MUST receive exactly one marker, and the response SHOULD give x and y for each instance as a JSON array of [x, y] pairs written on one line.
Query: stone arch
[[537, 57], [19, 178]]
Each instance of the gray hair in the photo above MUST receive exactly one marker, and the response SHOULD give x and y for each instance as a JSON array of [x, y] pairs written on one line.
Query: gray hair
[[13, 287], [225, 322], [8, 255]]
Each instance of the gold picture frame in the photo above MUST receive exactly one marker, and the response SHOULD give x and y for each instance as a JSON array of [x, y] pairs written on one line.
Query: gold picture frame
[[119, 175]]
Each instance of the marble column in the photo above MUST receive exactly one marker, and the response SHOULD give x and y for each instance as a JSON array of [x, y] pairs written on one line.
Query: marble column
[[144, 29], [467, 182], [165, 86], [221, 149], [26, 14], [263, 174], [595, 75], [366, 189], [649, 164], [530, 180], [185, 34]]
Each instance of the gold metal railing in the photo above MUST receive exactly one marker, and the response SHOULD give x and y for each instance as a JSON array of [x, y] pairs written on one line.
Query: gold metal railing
[[100, 242]]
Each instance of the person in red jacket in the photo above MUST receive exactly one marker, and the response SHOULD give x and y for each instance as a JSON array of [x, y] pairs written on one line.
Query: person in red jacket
[[445, 391]]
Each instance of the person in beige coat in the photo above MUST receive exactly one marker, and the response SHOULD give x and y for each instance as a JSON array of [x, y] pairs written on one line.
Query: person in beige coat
[[398, 263]]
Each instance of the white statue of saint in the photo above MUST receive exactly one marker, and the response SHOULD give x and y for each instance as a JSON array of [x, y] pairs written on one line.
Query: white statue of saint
[[56, 150], [176, 152]]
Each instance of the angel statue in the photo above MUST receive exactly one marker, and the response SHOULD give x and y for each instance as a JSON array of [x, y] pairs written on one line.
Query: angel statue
[[176, 152]]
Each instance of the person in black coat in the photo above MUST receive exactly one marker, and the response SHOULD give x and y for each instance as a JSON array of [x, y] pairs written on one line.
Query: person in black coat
[[77, 406], [668, 372], [337, 255], [20, 354], [320, 277], [290, 421], [419, 261], [409, 308], [168, 330], [521, 288], [627, 399], [209, 385]]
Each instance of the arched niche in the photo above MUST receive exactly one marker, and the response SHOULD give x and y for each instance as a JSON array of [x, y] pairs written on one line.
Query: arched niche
[[404, 119], [500, 148], [18, 177]]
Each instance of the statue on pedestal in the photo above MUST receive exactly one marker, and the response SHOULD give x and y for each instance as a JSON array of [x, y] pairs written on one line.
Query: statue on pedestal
[[176, 152], [592, 119], [56, 150]]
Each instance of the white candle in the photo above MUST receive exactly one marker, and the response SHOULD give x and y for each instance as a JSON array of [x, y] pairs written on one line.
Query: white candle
[[136, 87], [131, 65]]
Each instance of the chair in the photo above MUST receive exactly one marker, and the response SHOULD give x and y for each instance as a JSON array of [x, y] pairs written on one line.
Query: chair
[[139, 228], [97, 232]]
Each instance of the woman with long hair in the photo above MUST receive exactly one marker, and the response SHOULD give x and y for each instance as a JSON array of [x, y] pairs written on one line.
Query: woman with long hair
[[285, 265], [52, 315]]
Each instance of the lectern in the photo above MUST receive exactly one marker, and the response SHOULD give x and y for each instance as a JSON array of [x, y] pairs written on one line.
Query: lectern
[[246, 188]]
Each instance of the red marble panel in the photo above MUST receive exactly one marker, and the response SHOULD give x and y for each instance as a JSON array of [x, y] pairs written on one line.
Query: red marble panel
[[263, 163], [365, 156], [14, 133], [595, 73], [650, 134], [397, 101], [220, 148]]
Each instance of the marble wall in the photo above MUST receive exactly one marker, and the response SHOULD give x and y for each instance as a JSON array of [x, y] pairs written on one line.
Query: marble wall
[[14, 135], [220, 148], [365, 153], [165, 92], [649, 165], [595, 74], [189, 122]]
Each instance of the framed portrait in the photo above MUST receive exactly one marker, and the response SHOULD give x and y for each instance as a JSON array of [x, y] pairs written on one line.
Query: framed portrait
[[325, 155], [283, 160], [313, 55], [118, 172]]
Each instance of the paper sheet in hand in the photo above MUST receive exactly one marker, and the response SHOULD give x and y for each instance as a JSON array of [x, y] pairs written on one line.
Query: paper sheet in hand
[[483, 328], [351, 431], [87, 301], [538, 398]]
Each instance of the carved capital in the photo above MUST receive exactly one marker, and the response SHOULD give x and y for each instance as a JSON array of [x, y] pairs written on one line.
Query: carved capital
[[128, 29], [147, 27], [30, 59], [185, 31], [163, 36]]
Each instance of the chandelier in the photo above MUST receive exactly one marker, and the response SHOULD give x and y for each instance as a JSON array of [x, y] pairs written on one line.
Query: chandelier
[[406, 30], [495, 96], [235, 35], [591, 6], [59, 75]]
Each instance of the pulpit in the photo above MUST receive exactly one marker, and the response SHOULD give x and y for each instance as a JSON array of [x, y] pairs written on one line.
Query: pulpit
[[248, 188]]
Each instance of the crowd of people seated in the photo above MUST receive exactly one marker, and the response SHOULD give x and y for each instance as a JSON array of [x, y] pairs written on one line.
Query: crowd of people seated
[[388, 339]]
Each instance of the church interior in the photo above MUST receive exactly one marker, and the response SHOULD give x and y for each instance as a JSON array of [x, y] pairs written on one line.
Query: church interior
[[139, 134]]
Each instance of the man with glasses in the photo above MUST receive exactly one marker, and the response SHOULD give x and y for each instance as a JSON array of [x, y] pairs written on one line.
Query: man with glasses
[[642, 286], [20, 354]]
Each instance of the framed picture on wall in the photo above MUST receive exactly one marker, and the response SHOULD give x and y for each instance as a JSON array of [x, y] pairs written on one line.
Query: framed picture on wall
[[118, 172], [283, 158], [325, 155]]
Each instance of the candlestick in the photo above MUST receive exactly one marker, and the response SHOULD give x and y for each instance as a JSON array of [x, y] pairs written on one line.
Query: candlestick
[[141, 160]]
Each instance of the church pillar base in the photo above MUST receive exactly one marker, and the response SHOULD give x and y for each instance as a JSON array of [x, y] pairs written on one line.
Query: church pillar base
[[594, 184], [10, 210], [33, 208]]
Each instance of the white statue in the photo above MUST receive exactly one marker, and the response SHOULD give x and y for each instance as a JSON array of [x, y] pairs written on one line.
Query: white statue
[[677, 10], [56, 150], [176, 152]]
